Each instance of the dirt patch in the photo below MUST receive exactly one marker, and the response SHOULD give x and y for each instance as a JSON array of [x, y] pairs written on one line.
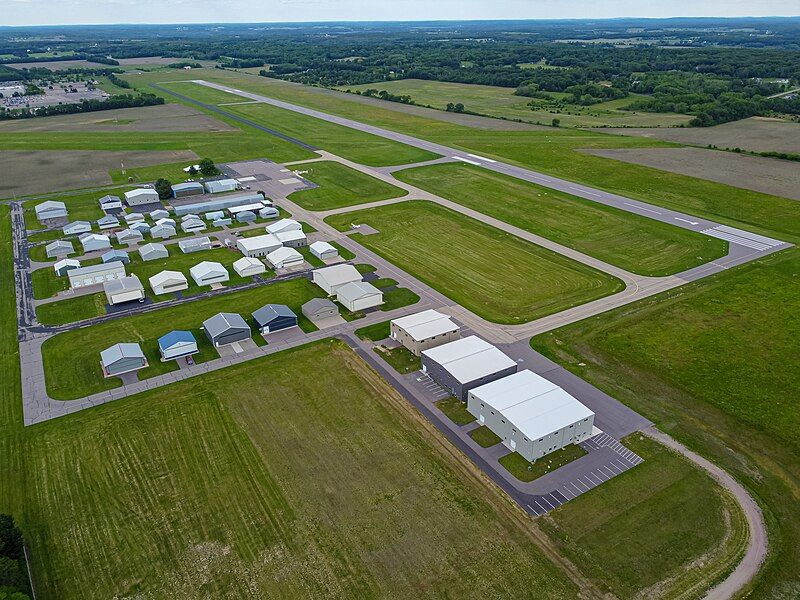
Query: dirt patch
[[40, 172], [757, 134], [166, 117], [766, 175]]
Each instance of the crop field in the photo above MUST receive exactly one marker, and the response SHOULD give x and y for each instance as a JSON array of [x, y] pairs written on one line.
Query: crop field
[[67, 380], [501, 102], [687, 360], [659, 530], [634, 243], [765, 175], [494, 274], [340, 186]]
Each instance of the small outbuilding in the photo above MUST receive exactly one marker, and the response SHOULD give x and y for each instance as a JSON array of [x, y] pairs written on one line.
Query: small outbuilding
[[292, 239], [258, 245], [246, 216], [122, 358], [269, 212], [167, 221], [124, 289], [94, 241], [110, 203], [323, 250], [221, 185], [190, 188], [214, 215], [274, 317], [77, 228], [423, 330], [64, 265], [193, 225], [284, 258], [107, 222], [284, 225], [158, 214], [359, 295], [95, 274], [129, 236], [51, 209], [330, 279], [134, 217], [163, 232], [118, 255], [153, 251], [319, 308], [221, 222], [141, 227], [209, 273], [59, 248], [141, 196], [195, 244], [167, 282], [177, 344], [226, 328], [247, 267]]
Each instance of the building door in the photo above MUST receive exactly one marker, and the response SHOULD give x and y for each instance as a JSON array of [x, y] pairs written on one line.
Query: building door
[[482, 419], [513, 443]]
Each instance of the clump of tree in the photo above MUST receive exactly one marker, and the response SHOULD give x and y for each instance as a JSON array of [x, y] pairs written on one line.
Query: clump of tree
[[384, 95], [117, 81], [458, 107], [117, 101], [14, 581], [163, 187], [208, 168]]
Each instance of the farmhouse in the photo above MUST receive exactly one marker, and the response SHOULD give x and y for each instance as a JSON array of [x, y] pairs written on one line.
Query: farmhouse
[[141, 196], [94, 241], [323, 250], [283, 258], [274, 317], [122, 358], [259, 245], [319, 308], [108, 222], [208, 273], [77, 227], [218, 203], [190, 188], [530, 414], [110, 203], [129, 236], [163, 232], [118, 255], [153, 251], [330, 279], [167, 282], [50, 209], [268, 212], [247, 267], [134, 217], [59, 248], [124, 289], [95, 274], [226, 328], [423, 330], [221, 185], [159, 214], [359, 295], [284, 225], [177, 344], [195, 244], [64, 265], [465, 364], [292, 239]]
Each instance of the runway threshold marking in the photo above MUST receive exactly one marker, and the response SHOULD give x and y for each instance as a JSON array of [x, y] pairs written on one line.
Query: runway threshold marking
[[468, 161], [489, 160]]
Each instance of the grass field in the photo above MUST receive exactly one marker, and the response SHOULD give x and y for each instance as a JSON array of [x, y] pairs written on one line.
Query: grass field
[[526, 471], [341, 186], [715, 365], [374, 333], [634, 243], [484, 437], [455, 410], [70, 310], [501, 102], [67, 380], [496, 275], [401, 359]]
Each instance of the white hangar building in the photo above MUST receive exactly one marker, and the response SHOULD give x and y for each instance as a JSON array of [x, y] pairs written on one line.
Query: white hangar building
[[141, 196], [259, 245], [330, 279], [532, 415], [423, 330]]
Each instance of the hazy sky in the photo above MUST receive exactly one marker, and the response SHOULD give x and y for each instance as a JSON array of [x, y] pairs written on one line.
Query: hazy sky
[[54, 12]]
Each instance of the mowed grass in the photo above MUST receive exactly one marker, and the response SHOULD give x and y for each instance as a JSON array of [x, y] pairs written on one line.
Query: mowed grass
[[714, 364], [339, 186], [662, 521], [68, 379], [190, 491], [634, 243], [494, 274]]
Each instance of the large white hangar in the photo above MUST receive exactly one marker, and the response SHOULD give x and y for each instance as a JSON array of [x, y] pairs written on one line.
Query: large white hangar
[[532, 415]]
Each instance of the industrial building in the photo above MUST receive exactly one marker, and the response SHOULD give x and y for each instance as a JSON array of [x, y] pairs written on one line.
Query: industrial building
[[153, 251], [465, 364], [122, 358], [108, 222], [162, 232], [129, 236], [124, 289], [226, 328], [95, 274], [259, 245], [247, 267], [319, 308], [359, 295], [118, 255], [209, 273], [177, 344], [64, 265], [532, 415], [110, 203], [141, 196], [94, 241], [195, 244], [284, 225], [167, 282], [218, 203], [190, 188], [274, 317], [423, 330], [330, 279], [292, 239], [221, 185], [59, 248], [51, 209], [323, 250], [284, 258], [76, 228]]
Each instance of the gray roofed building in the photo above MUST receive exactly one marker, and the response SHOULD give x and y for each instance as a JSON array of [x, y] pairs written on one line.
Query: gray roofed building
[[159, 213], [118, 255], [133, 217], [274, 317], [94, 241], [268, 212], [284, 225], [108, 222], [208, 273], [359, 295], [141, 196], [95, 274], [192, 225], [177, 344], [109, 202], [166, 282], [122, 358], [221, 185], [124, 289], [50, 209], [245, 216], [323, 250], [163, 232], [283, 258], [330, 279], [129, 236], [423, 330], [292, 239], [77, 227], [319, 308], [141, 227], [153, 251], [218, 203], [167, 221], [247, 267], [221, 222], [59, 248], [64, 265], [195, 244], [226, 328], [214, 215], [190, 188]]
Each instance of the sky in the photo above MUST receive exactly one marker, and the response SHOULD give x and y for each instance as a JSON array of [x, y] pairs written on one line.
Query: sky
[[58, 12]]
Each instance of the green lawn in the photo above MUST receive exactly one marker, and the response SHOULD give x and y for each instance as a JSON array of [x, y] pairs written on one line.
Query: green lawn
[[401, 359], [343, 252], [634, 243], [653, 520], [374, 333], [527, 471], [484, 437], [456, 411], [398, 298], [67, 380], [72, 309], [494, 274], [46, 283], [339, 186], [715, 364]]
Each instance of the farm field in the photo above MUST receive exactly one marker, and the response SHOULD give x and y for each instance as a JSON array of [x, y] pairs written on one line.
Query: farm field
[[687, 361], [496, 275], [634, 243], [67, 380], [760, 174], [339, 185], [501, 102]]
